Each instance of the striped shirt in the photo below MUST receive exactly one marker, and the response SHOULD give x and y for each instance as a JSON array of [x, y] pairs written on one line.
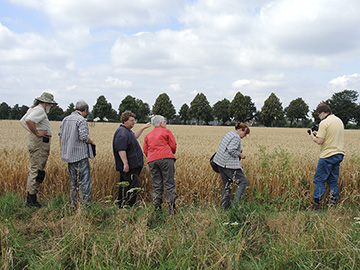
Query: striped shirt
[[74, 134], [227, 155]]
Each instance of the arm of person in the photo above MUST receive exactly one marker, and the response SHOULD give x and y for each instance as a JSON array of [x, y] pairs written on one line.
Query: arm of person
[[140, 131], [172, 142], [31, 126], [124, 160], [84, 132], [233, 147], [25, 126], [145, 146], [315, 139]]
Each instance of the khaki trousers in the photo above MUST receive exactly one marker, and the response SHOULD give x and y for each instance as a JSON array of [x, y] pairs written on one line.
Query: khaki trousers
[[39, 151]]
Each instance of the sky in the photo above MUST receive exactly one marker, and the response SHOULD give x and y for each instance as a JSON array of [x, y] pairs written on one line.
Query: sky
[[87, 48]]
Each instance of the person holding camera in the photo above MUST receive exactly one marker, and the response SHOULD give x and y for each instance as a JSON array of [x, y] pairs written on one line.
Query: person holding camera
[[228, 158], [36, 122], [330, 137]]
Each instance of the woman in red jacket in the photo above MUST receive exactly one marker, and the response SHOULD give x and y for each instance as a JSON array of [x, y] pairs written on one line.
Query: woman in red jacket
[[160, 147]]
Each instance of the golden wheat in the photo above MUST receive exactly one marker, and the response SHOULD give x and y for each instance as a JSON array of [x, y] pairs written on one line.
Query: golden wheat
[[280, 163]]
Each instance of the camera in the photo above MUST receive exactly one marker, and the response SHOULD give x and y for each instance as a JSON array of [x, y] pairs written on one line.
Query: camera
[[314, 128]]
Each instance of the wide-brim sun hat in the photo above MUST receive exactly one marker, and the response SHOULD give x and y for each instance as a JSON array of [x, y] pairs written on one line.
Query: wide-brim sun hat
[[47, 97]]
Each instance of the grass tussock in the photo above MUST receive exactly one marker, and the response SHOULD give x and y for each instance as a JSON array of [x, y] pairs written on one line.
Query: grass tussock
[[203, 236]]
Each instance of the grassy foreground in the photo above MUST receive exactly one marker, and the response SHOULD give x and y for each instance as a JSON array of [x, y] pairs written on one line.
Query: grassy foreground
[[199, 236]]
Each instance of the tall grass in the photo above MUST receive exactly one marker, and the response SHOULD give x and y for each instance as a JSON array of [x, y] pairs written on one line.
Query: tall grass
[[198, 237]]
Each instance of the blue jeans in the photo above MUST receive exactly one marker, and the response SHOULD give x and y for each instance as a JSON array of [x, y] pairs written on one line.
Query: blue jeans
[[80, 179], [327, 171]]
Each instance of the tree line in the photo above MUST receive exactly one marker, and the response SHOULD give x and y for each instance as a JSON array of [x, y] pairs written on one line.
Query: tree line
[[224, 112]]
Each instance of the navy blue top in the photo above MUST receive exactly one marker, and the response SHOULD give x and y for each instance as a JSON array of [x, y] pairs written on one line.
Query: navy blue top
[[125, 140]]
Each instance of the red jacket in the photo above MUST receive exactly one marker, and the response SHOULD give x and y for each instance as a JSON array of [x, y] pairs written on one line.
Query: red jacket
[[159, 143]]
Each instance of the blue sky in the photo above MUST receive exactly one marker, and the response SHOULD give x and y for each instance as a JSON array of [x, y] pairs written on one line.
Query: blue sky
[[84, 49]]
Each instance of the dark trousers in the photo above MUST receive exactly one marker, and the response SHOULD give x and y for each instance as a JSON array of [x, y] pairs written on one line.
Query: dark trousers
[[230, 176], [129, 182], [162, 174]]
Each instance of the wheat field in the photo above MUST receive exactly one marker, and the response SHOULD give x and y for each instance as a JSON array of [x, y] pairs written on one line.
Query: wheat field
[[280, 164]]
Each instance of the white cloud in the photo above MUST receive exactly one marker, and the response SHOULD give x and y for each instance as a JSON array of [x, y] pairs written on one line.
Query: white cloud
[[240, 83], [28, 48], [174, 87], [289, 47], [71, 88], [118, 82], [106, 12], [349, 82]]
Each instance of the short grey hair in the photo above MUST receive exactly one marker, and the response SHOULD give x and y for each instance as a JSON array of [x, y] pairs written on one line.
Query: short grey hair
[[81, 106], [157, 119]]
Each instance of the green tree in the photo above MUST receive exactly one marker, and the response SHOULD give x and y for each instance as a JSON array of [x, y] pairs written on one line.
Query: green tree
[[297, 110], [343, 105], [102, 109], [200, 109], [184, 113], [23, 110], [4, 111], [113, 116], [15, 112], [143, 110], [272, 110], [56, 113], [221, 110], [137, 106], [242, 108], [163, 106], [357, 115], [128, 104], [70, 109]]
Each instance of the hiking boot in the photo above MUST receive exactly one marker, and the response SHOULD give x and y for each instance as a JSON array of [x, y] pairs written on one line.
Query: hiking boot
[[332, 202], [315, 206], [31, 201]]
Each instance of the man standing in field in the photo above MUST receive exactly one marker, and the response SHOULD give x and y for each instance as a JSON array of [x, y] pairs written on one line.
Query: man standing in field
[[37, 123], [76, 151], [330, 137], [129, 158]]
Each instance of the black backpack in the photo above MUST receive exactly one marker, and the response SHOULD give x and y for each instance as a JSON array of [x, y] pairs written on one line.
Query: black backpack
[[214, 166]]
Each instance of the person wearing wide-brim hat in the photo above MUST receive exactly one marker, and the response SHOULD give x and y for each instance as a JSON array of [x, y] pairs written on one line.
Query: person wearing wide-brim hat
[[37, 123]]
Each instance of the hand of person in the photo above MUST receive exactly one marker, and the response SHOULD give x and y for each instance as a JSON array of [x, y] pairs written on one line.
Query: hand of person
[[41, 133], [126, 168], [91, 142], [147, 125], [242, 156]]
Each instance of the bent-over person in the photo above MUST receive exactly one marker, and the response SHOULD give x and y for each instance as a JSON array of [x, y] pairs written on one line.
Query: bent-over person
[[228, 158]]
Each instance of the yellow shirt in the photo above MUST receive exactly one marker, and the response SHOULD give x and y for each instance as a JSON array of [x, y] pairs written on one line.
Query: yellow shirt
[[331, 130]]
